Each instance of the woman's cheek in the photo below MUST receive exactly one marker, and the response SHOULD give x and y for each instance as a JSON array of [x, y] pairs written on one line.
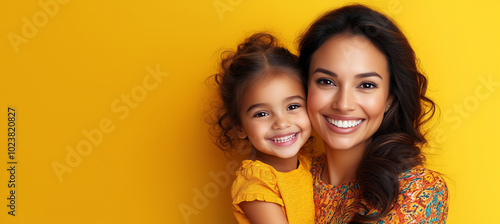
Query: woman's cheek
[[312, 105], [315, 104], [319, 100], [305, 124], [373, 106]]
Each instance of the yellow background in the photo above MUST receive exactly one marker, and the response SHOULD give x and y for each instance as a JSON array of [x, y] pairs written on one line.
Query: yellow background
[[87, 57]]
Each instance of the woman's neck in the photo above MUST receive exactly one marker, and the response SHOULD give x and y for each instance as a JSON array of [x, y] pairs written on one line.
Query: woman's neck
[[279, 164], [341, 165]]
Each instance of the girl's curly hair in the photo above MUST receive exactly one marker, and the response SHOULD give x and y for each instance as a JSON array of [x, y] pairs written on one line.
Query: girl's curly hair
[[259, 54]]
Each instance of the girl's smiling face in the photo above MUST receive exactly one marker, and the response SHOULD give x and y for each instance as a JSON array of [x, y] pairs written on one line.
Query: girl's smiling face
[[348, 91], [274, 117]]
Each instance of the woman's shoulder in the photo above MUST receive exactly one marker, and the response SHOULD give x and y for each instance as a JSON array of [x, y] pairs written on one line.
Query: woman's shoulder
[[419, 177], [423, 197]]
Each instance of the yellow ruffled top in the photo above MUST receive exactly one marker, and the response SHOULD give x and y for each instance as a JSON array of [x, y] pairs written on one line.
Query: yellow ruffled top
[[257, 181]]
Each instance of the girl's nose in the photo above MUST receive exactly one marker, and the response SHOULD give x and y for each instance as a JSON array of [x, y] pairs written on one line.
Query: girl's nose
[[281, 122]]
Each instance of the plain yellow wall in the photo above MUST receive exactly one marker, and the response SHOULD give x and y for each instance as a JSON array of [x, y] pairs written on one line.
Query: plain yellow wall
[[114, 91]]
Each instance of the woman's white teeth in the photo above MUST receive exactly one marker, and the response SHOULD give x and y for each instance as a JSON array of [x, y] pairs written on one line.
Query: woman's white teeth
[[284, 139], [343, 124]]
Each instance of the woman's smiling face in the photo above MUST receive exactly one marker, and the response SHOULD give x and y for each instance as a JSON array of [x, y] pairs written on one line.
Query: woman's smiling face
[[348, 91]]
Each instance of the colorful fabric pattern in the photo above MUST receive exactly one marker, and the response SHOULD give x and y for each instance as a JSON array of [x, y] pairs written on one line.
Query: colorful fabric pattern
[[423, 198]]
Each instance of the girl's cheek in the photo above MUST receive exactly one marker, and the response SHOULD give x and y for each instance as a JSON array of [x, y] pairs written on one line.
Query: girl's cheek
[[306, 123]]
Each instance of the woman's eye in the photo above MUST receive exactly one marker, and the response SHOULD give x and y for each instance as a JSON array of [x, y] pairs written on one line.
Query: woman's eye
[[260, 114], [368, 85], [325, 82], [293, 107]]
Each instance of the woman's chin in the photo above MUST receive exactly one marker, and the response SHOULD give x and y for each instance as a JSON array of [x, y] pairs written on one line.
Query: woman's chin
[[341, 145]]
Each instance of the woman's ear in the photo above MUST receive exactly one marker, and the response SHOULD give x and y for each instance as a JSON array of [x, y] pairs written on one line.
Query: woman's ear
[[389, 102]]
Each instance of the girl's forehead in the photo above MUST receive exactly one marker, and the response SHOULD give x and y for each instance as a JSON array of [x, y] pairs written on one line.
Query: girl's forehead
[[278, 73], [271, 84], [273, 78]]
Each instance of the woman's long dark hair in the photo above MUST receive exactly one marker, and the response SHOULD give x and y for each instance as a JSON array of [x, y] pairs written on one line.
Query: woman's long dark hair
[[396, 146]]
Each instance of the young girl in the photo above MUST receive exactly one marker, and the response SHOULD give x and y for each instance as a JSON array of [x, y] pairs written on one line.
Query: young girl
[[264, 101]]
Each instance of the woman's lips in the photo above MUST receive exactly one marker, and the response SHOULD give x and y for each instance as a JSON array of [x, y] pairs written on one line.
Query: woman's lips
[[284, 140], [343, 125]]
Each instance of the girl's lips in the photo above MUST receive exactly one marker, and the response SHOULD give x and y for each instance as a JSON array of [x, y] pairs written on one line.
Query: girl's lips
[[343, 125], [284, 139]]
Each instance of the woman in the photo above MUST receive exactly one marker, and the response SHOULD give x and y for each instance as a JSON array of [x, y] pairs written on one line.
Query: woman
[[366, 100]]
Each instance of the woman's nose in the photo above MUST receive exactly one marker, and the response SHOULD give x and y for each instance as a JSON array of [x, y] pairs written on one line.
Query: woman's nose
[[344, 100]]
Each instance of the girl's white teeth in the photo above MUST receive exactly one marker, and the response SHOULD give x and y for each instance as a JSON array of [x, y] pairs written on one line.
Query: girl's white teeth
[[284, 139], [343, 124]]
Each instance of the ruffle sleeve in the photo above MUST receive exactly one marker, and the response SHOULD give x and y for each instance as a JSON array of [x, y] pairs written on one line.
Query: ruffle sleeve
[[255, 181]]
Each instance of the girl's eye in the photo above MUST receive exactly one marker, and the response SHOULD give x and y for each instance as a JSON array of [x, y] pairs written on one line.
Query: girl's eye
[[293, 107], [260, 114], [325, 82], [368, 85]]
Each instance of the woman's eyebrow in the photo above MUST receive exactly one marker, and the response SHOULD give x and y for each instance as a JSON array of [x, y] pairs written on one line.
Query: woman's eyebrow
[[368, 74], [358, 76], [327, 72]]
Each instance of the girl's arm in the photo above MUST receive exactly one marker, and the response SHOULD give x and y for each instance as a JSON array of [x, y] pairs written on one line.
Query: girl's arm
[[260, 212]]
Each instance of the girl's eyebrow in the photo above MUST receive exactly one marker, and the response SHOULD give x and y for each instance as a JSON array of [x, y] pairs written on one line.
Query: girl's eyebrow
[[296, 97], [358, 76], [290, 98], [256, 105]]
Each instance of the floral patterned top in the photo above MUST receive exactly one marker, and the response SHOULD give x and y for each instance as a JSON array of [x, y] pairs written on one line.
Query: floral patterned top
[[423, 197]]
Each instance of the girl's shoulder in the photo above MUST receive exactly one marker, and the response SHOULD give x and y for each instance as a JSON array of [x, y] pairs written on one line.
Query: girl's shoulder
[[255, 170], [256, 179], [306, 160]]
